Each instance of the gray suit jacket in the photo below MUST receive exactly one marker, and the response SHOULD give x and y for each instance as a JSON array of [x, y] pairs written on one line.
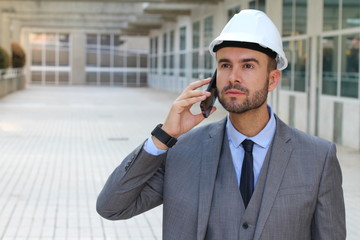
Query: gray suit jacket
[[302, 199]]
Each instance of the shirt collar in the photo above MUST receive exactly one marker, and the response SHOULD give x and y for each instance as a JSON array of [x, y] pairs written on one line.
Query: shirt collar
[[263, 138]]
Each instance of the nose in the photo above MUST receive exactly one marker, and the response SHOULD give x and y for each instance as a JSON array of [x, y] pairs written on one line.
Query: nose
[[235, 75]]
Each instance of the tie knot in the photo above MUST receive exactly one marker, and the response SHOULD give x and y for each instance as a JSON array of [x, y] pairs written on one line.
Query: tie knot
[[248, 145]]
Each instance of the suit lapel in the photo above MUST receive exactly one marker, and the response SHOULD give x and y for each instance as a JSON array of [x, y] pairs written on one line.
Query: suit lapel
[[211, 150], [280, 151]]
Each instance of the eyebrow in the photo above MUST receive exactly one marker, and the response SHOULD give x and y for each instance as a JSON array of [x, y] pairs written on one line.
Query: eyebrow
[[222, 60]]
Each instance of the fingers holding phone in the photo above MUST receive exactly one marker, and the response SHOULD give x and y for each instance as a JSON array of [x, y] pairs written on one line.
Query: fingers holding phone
[[180, 119]]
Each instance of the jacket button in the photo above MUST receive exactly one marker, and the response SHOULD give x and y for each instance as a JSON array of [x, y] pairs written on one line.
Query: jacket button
[[245, 226]]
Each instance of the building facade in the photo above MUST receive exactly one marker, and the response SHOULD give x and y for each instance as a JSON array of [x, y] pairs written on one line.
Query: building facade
[[319, 91], [164, 45]]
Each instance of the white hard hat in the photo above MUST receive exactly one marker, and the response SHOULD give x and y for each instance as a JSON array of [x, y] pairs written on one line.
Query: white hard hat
[[251, 28]]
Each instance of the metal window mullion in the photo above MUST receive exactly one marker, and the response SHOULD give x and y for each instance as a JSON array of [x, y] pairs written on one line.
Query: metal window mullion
[[98, 59], [43, 65], [57, 47], [293, 16], [293, 52], [138, 69], [125, 82], [69, 48], [338, 94]]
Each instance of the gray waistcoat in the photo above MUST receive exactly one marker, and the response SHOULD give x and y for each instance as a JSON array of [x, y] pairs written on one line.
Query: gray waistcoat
[[228, 218]]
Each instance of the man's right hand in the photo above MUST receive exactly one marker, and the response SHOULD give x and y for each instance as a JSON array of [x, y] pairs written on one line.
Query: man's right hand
[[180, 119]]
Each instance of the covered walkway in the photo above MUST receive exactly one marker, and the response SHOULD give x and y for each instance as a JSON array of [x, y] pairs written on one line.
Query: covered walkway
[[59, 144]]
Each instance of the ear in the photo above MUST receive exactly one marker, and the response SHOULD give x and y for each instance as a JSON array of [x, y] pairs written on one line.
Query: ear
[[274, 79]]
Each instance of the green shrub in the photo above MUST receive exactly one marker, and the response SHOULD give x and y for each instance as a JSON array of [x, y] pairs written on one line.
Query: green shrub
[[4, 59], [18, 55]]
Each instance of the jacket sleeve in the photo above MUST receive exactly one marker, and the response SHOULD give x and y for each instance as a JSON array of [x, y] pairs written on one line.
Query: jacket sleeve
[[134, 187], [329, 217]]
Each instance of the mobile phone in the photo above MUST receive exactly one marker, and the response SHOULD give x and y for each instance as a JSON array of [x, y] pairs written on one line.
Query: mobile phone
[[208, 103]]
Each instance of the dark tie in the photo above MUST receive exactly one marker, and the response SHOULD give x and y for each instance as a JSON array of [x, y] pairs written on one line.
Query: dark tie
[[247, 172]]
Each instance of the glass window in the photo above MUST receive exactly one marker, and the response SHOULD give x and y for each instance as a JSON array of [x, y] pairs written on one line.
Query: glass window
[[331, 15], [105, 78], [143, 61], [50, 77], [208, 37], [64, 77], [64, 39], [50, 55], [350, 66], [119, 59], [91, 39], [182, 64], [300, 65], [36, 58], [105, 40], [232, 11], [37, 38], [208, 64], [164, 57], [196, 45], [330, 65], [51, 38], [195, 64], [183, 38], [294, 17], [151, 45], [64, 56], [294, 76], [172, 43], [182, 60], [91, 77], [105, 55], [171, 64], [300, 16], [208, 31], [91, 50], [36, 77], [118, 78], [164, 43], [171, 55], [257, 4], [117, 41], [131, 79], [105, 51], [196, 35], [156, 44], [286, 73], [351, 13], [131, 60]]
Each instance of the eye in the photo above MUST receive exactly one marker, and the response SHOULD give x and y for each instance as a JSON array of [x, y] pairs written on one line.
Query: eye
[[225, 65], [248, 66]]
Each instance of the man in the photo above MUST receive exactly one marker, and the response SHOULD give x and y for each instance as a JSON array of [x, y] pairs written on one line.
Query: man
[[249, 176]]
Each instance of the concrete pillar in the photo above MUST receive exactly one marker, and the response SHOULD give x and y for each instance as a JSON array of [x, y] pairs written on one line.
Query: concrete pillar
[[78, 58], [314, 27], [274, 11]]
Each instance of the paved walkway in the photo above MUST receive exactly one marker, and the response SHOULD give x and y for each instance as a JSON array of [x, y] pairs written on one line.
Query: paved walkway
[[59, 144]]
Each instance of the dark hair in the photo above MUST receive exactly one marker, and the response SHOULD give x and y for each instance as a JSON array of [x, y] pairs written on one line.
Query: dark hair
[[272, 64]]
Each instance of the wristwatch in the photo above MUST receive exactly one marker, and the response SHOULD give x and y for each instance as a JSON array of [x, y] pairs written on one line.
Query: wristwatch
[[165, 138]]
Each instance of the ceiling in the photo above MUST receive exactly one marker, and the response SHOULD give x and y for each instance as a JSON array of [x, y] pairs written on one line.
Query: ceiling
[[130, 17]]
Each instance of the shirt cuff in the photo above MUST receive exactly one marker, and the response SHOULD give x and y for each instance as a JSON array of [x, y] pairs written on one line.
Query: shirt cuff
[[150, 148]]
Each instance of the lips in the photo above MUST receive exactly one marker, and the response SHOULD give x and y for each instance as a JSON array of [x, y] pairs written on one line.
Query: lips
[[234, 93]]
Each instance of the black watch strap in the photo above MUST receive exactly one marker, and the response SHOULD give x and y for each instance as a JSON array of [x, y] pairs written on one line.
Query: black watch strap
[[165, 138]]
